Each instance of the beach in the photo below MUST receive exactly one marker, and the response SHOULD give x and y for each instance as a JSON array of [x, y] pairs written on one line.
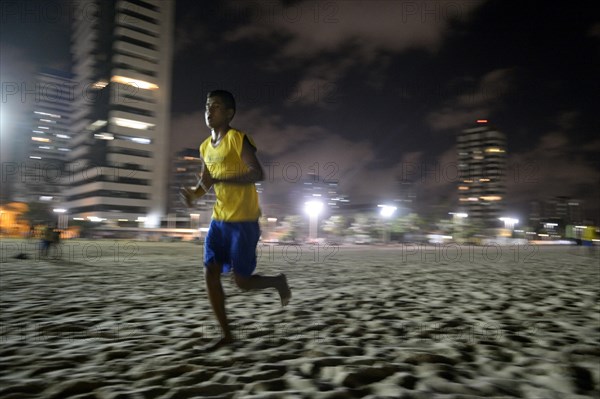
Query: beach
[[125, 319]]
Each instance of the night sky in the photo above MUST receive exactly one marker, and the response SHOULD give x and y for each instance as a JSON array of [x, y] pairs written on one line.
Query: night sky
[[365, 91]]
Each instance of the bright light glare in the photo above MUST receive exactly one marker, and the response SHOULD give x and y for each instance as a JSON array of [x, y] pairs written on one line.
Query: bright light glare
[[140, 84], [140, 140], [104, 136], [59, 210], [459, 214], [132, 123], [313, 208], [47, 114], [509, 222], [387, 210]]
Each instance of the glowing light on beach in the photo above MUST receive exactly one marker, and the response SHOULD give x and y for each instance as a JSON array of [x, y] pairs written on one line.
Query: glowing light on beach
[[387, 210], [509, 223], [313, 209]]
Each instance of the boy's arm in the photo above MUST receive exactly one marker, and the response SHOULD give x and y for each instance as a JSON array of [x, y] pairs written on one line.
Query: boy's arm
[[255, 171], [189, 195]]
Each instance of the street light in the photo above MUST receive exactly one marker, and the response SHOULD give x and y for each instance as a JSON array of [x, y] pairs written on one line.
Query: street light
[[313, 209], [63, 218], [386, 212], [458, 215], [509, 223]]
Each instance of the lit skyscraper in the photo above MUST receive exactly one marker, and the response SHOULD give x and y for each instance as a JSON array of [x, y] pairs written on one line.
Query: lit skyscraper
[[42, 171], [482, 172], [118, 163]]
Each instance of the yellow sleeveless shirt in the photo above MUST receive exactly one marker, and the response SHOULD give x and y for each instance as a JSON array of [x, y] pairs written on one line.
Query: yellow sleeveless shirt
[[235, 202]]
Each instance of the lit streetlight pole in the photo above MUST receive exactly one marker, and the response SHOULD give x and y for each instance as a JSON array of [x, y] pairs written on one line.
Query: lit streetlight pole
[[458, 219], [63, 218], [509, 223], [313, 209], [386, 212]]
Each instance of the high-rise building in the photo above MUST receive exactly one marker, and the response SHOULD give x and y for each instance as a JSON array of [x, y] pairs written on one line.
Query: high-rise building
[[42, 171], [313, 187], [563, 210], [482, 173], [119, 159]]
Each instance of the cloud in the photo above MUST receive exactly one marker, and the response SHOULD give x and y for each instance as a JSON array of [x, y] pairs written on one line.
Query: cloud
[[555, 167], [311, 27], [188, 131], [476, 103], [327, 38]]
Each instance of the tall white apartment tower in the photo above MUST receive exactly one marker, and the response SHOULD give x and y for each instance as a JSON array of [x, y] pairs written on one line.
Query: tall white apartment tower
[[482, 173], [118, 163]]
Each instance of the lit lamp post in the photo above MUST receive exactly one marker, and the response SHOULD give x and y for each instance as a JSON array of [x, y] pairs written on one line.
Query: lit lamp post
[[386, 212], [63, 218], [313, 209], [458, 219], [509, 223]]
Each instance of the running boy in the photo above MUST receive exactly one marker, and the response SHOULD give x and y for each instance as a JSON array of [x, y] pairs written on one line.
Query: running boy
[[231, 167]]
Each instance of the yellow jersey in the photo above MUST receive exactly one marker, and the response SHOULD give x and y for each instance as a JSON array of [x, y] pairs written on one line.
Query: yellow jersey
[[235, 202]]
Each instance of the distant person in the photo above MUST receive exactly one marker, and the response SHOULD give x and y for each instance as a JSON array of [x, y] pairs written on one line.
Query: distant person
[[231, 167], [56, 235], [47, 238]]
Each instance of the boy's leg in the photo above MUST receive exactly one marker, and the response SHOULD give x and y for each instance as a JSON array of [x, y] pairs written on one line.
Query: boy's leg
[[216, 296], [243, 255], [258, 282]]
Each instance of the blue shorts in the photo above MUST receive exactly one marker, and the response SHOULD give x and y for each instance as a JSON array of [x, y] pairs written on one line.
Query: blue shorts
[[232, 245]]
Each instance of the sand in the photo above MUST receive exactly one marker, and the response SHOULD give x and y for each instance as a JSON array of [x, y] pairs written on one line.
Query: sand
[[124, 319]]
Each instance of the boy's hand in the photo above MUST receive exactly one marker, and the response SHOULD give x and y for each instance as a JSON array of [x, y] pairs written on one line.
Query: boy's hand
[[187, 196], [206, 179]]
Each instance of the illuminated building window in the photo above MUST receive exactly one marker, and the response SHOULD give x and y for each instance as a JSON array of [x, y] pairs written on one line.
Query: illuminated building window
[[133, 124], [491, 198], [141, 84]]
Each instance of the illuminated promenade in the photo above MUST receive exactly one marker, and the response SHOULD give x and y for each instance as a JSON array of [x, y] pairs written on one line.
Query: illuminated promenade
[[120, 319]]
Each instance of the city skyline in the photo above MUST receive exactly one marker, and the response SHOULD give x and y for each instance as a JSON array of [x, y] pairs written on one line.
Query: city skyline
[[373, 92]]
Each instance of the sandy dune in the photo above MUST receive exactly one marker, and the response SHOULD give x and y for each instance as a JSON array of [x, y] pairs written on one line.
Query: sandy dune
[[122, 319]]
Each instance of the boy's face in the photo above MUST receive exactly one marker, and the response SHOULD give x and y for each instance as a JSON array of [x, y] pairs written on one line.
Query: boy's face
[[217, 115]]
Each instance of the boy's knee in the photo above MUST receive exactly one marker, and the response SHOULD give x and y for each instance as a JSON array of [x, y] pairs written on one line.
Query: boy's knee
[[212, 270], [242, 282]]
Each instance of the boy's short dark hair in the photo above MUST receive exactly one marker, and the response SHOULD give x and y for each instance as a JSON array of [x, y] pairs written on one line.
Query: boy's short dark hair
[[225, 96]]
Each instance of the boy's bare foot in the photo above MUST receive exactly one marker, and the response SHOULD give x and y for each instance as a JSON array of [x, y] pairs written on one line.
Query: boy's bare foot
[[284, 291]]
